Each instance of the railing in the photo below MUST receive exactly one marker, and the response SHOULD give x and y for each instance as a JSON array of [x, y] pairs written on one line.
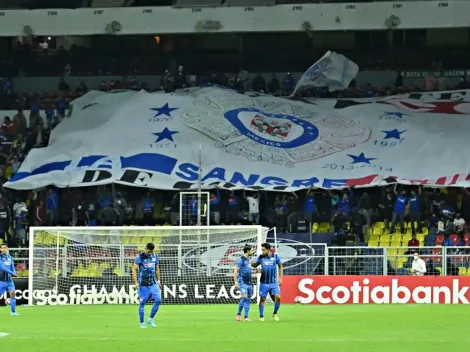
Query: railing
[[298, 259]]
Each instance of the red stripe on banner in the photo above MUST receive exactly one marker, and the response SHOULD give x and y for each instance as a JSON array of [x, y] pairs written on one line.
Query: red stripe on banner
[[448, 180], [455, 179], [361, 181]]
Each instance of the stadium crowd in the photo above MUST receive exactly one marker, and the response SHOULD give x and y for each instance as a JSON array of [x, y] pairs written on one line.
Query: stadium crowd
[[408, 216]]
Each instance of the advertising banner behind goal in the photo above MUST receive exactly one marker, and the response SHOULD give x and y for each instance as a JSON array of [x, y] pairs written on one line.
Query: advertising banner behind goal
[[295, 289], [120, 290], [376, 289]]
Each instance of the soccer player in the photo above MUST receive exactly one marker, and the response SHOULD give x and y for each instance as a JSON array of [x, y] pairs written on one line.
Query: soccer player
[[270, 282], [147, 283], [7, 270], [243, 281]]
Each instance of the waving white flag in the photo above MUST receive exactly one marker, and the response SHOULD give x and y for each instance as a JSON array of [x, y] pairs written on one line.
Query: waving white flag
[[333, 70]]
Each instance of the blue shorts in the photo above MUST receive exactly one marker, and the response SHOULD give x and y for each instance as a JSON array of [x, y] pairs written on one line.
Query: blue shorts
[[6, 286], [145, 292], [246, 289], [273, 289]]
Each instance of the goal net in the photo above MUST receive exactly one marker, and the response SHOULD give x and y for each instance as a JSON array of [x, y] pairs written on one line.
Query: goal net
[[86, 265]]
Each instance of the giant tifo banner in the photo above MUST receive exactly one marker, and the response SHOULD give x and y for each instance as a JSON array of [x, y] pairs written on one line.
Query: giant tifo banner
[[155, 140], [295, 289]]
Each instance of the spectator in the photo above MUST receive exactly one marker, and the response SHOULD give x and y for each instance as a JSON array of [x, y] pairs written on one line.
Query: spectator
[[334, 203], [40, 214], [8, 127], [103, 87], [52, 207], [180, 79], [399, 79], [134, 85], [399, 211], [462, 83], [415, 211], [233, 209], [442, 81], [294, 209], [60, 105], [121, 208], [67, 70], [147, 209], [253, 207], [21, 224], [167, 82], [241, 80], [20, 122], [273, 85], [430, 83], [82, 88], [6, 93], [413, 244], [214, 202], [79, 214], [5, 220], [418, 267], [288, 84], [459, 223], [17, 206], [369, 91], [344, 205], [63, 86], [280, 213], [258, 83], [50, 115], [310, 209]]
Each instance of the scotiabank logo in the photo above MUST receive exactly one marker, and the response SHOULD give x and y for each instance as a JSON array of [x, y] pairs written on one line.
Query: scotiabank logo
[[375, 290]]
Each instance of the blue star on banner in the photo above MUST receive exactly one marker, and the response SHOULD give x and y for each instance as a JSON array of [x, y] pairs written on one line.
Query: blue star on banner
[[397, 114], [395, 134], [165, 134], [361, 158], [164, 110]]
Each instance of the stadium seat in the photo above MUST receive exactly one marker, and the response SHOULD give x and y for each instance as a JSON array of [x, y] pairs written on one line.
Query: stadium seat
[[385, 238], [438, 268], [136, 240], [455, 239], [392, 252], [395, 243], [439, 240], [374, 238], [405, 239], [377, 231], [462, 271], [373, 243], [420, 237], [379, 224], [126, 239]]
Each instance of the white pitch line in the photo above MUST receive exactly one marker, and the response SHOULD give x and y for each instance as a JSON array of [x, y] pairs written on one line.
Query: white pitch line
[[176, 339], [4, 334]]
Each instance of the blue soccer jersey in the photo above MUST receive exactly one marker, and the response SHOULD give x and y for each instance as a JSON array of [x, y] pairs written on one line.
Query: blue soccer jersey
[[147, 266], [244, 272], [7, 267], [269, 266]]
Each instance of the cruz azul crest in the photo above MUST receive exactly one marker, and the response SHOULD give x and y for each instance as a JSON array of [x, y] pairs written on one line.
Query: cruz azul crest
[[275, 130]]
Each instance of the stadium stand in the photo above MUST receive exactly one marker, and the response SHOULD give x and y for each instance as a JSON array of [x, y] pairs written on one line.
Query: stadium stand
[[30, 86]]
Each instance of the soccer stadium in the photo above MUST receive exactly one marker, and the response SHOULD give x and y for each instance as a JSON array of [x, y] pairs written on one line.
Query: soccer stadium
[[207, 174]]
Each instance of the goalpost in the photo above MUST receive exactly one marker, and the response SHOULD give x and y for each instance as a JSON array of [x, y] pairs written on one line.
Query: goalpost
[[92, 265]]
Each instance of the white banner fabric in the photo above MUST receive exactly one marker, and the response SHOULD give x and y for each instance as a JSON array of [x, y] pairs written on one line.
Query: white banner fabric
[[254, 141]]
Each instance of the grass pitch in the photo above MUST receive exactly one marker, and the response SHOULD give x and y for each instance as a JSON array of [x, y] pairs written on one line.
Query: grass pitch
[[378, 328]]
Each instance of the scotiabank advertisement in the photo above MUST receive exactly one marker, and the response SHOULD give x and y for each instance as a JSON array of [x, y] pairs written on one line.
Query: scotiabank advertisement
[[376, 289]]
